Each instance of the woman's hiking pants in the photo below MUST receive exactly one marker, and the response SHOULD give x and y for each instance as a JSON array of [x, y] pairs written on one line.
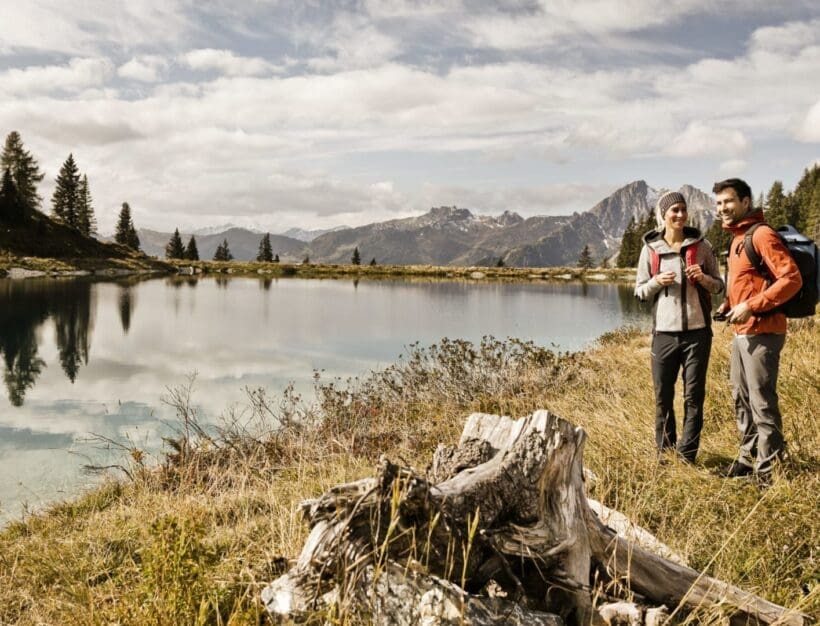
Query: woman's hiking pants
[[687, 352]]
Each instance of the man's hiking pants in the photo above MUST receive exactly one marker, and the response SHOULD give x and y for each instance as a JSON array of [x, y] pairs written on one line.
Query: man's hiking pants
[[754, 367]]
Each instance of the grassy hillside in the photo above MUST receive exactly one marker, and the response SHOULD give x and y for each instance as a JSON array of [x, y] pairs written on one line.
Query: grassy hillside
[[43, 238], [194, 540]]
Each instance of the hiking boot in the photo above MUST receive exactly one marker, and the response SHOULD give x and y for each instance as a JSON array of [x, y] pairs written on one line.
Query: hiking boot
[[738, 470]]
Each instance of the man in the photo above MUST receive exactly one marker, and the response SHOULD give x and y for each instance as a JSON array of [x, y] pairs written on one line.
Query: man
[[760, 330]]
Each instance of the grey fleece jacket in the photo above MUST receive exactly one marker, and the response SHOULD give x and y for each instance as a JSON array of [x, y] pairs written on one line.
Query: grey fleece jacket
[[678, 306]]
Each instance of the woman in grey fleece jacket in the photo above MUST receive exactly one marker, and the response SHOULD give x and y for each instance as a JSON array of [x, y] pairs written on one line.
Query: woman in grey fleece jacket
[[680, 282]]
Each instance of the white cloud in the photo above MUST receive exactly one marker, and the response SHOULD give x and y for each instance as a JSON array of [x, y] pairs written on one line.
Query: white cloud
[[787, 38], [352, 42], [226, 62], [47, 25], [76, 75], [700, 139], [732, 168], [809, 130], [146, 69]]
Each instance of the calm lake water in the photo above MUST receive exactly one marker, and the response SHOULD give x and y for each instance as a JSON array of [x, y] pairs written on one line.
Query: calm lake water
[[83, 357]]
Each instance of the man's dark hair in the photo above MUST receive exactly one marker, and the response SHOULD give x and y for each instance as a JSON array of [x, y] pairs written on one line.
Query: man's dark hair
[[741, 187]]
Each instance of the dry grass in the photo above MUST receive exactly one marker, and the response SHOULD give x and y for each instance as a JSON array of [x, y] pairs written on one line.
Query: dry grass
[[196, 539]]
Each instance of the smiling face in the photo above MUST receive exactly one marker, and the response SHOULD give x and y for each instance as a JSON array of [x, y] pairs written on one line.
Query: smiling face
[[675, 216], [729, 207]]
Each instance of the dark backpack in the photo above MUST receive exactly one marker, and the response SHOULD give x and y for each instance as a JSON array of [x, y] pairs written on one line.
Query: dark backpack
[[804, 253]]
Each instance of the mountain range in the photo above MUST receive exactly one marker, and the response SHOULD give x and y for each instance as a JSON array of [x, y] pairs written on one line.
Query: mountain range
[[456, 236]]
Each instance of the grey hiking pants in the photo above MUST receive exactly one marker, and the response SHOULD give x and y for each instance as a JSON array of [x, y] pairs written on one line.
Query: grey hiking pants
[[687, 352], [753, 372]]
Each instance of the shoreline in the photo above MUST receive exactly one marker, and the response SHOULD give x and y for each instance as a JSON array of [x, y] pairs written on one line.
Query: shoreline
[[17, 268]]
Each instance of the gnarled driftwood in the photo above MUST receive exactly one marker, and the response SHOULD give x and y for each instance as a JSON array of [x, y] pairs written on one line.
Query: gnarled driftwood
[[499, 531]]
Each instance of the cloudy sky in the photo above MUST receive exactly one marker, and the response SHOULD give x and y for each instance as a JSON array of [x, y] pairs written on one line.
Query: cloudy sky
[[313, 114]]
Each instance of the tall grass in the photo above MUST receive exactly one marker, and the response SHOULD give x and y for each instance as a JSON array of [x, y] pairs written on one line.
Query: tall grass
[[194, 539]]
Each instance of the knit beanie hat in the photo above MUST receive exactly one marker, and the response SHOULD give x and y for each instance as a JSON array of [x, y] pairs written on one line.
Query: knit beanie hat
[[666, 201]]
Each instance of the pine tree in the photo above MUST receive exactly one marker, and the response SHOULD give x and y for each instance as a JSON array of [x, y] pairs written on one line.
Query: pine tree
[[276, 258], [604, 263], [356, 259], [133, 238], [11, 205], [65, 201], [373, 262], [306, 260], [500, 262], [191, 251], [805, 203], [126, 234], [25, 172], [628, 243], [775, 210], [585, 258], [223, 252], [175, 249], [719, 237], [265, 253], [87, 223]]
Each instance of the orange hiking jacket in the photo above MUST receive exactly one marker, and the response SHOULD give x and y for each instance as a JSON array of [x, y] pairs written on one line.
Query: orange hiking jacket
[[747, 285]]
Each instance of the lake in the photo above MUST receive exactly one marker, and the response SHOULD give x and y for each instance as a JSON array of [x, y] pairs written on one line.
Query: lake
[[82, 358]]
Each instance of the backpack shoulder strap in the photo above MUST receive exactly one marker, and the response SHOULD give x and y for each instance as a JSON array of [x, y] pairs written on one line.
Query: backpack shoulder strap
[[692, 254], [748, 246], [654, 261]]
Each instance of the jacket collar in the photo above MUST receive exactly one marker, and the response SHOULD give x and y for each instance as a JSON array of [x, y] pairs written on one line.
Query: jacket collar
[[654, 238]]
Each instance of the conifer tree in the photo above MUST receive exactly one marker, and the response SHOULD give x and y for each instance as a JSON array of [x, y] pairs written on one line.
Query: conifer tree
[[356, 259], [86, 221], [373, 262], [191, 251], [775, 209], [223, 252], [628, 244], [585, 258], [306, 260], [500, 262], [25, 171], [65, 201], [276, 258], [806, 201], [125, 233], [265, 253], [175, 249], [11, 205], [719, 237]]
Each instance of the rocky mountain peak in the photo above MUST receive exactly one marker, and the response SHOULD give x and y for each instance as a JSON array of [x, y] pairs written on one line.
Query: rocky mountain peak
[[449, 213]]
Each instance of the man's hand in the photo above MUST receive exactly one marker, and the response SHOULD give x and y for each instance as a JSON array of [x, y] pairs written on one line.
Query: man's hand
[[739, 313]]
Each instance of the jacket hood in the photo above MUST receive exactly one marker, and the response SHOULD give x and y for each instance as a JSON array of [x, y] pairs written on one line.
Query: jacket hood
[[654, 237], [753, 217]]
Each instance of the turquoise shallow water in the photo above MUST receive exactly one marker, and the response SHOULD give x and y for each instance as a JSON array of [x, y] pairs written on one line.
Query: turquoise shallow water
[[83, 358]]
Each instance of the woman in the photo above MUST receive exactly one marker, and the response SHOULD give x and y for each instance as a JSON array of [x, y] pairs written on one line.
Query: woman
[[678, 271]]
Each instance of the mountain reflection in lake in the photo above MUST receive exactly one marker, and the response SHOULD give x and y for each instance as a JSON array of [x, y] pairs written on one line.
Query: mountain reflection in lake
[[82, 356]]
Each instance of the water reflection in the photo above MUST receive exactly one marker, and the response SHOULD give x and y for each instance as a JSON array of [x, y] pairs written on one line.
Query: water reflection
[[126, 300], [116, 359]]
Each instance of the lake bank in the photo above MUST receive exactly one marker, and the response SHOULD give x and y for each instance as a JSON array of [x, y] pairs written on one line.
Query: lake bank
[[26, 267], [203, 533]]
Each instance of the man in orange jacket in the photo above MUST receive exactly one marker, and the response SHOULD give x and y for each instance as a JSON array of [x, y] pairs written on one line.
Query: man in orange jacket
[[760, 329]]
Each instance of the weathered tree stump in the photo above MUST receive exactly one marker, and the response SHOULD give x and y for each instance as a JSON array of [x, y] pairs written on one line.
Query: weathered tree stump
[[499, 530]]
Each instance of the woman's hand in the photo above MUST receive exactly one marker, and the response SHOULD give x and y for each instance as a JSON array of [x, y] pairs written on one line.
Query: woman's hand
[[694, 273], [665, 278]]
